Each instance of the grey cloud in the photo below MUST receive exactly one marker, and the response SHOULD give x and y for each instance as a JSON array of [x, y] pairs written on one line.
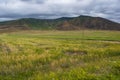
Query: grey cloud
[[14, 9]]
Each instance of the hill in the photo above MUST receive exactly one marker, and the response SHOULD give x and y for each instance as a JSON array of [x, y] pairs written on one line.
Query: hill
[[64, 23]]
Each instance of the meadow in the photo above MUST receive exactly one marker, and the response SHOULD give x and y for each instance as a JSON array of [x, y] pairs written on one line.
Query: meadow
[[60, 55]]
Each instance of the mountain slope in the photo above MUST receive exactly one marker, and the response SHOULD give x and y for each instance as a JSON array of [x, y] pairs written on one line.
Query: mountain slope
[[87, 22], [64, 23]]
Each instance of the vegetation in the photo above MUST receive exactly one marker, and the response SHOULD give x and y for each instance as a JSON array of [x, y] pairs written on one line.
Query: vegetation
[[60, 55], [75, 23]]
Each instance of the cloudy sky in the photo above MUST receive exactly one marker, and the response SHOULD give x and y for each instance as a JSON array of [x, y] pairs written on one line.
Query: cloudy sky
[[15, 9]]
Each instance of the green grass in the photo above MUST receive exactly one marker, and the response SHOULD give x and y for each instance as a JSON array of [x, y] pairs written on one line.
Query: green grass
[[60, 55]]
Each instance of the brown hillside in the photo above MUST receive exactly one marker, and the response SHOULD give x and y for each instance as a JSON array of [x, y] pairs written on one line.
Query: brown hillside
[[86, 22]]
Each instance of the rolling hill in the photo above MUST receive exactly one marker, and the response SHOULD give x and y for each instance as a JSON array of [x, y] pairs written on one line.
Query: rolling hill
[[64, 23]]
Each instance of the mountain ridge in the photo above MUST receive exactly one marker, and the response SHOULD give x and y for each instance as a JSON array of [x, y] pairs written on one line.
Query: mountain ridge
[[63, 23]]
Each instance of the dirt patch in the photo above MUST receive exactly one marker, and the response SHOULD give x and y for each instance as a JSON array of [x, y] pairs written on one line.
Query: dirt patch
[[76, 52]]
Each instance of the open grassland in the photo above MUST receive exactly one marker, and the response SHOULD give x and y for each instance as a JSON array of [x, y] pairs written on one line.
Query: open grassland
[[60, 55]]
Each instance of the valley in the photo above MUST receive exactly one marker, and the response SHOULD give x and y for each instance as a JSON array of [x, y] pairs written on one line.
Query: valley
[[60, 55]]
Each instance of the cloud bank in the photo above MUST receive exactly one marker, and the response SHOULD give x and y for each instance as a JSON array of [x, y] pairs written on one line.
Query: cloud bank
[[49, 9]]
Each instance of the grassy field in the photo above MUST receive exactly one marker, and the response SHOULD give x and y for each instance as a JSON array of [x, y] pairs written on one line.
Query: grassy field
[[60, 55]]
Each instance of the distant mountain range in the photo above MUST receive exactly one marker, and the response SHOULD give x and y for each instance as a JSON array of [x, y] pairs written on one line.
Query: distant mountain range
[[64, 23]]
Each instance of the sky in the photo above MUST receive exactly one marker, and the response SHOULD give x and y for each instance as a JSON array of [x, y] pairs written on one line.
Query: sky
[[50, 9]]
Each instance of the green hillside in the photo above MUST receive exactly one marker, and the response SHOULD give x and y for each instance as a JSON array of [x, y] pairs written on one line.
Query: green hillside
[[64, 23]]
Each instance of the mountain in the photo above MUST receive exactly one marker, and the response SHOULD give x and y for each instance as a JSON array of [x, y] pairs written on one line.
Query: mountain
[[64, 23], [87, 22]]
